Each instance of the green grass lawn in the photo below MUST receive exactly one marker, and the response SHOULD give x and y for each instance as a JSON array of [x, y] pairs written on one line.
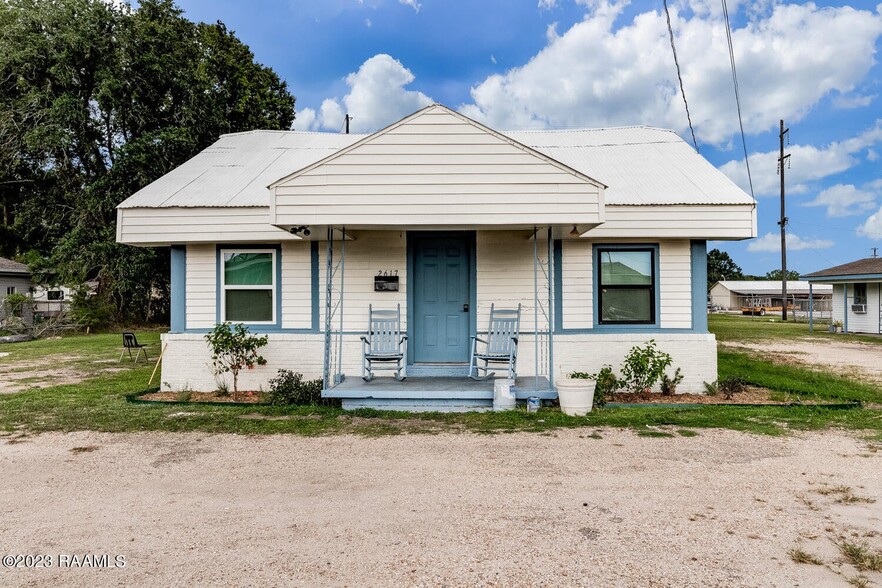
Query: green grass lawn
[[98, 403], [733, 328]]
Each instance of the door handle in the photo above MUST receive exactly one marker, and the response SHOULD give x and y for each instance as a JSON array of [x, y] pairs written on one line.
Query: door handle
[[465, 307]]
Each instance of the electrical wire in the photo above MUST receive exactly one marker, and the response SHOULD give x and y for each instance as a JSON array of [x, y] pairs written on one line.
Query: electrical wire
[[680, 77], [737, 97]]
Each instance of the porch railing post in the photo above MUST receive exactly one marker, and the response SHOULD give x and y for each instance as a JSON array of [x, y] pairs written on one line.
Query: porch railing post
[[551, 285], [535, 308], [329, 283], [339, 375]]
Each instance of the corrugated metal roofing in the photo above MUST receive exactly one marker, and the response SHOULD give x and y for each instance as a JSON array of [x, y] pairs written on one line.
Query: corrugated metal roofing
[[641, 166], [748, 287]]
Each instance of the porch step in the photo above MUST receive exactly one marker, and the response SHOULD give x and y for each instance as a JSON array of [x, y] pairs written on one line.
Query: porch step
[[418, 405], [451, 370]]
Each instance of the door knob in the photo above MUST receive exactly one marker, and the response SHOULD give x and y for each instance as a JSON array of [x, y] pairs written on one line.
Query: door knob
[[465, 307]]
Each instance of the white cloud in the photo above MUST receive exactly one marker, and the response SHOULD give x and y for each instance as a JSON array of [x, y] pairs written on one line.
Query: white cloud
[[368, 23], [547, 4], [772, 242], [872, 155], [492, 59], [844, 200], [304, 120], [846, 101], [597, 73], [807, 164], [412, 3], [872, 227], [551, 33], [376, 98]]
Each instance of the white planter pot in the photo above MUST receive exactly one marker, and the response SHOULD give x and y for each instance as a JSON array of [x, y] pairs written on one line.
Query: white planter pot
[[576, 396]]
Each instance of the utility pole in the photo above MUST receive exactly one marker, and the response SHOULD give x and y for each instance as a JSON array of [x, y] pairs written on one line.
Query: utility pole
[[783, 222], [348, 118]]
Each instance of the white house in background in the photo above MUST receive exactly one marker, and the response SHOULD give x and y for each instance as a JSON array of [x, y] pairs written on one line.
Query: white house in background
[[734, 294], [599, 234], [857, 293]]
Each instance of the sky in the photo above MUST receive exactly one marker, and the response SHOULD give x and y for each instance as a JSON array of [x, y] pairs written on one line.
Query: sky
[[515, 64]]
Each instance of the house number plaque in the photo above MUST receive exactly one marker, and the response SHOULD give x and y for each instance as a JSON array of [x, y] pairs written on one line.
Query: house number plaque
[[386, 281]]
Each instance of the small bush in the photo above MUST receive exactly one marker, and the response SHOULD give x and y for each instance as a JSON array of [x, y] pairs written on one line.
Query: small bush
[[669, 384], [711, 388], [731, 386], [643, 367], [290, 388], [234, 348]]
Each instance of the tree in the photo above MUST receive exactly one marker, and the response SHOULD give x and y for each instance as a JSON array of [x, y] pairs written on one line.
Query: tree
[[776, 275], [97, 100], [234, 348], [721, 267]]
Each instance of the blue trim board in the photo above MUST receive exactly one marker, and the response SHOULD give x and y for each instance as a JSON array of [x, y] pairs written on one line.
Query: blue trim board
[[843, 278], [698, 275], [178, 288]]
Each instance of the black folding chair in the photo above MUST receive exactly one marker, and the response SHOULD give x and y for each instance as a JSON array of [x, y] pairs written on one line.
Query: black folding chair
[[131, 342]]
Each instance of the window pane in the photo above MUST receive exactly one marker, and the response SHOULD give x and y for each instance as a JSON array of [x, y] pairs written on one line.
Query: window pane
[[249, 306], [860, 293], [626, 268], [248, 269], [629, 305]]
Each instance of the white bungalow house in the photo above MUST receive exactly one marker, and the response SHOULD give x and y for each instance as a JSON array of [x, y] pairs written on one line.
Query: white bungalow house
[[857, 293], [444, 217]]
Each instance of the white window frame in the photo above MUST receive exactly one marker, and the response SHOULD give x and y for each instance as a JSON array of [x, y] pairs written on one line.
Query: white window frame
[[224, 287]]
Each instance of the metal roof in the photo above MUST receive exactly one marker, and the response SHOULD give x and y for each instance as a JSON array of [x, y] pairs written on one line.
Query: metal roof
[[749, 287], [7, 266], [640, 166]]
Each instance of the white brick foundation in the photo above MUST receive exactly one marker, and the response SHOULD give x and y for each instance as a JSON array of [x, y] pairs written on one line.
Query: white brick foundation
[[187, 360]]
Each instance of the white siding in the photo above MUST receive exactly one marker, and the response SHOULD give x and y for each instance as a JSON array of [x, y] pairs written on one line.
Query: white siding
[[868, 322], [505, 275], [436, 169], [201, 286], [296, 285], [692, 222], [369, 253], [166, 226], [577, 284], [675, 284]]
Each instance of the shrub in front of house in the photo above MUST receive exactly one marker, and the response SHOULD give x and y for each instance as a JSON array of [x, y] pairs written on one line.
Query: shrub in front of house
[[290, 388]]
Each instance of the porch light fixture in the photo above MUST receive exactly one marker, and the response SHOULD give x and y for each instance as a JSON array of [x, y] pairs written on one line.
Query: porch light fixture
[[299, 230], [575, 232]]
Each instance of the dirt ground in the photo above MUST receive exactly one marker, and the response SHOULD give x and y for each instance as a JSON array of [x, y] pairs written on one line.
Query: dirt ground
[[565, 509], [855, 360]]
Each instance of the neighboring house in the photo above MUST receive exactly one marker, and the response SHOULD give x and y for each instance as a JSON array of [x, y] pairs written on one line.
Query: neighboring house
[[52, 300], [599, 234], [857, 293], [735, 294], [15, 278]]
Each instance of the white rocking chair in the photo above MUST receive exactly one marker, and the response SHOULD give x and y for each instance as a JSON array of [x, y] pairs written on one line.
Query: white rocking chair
[[500, 346], [384, 344]]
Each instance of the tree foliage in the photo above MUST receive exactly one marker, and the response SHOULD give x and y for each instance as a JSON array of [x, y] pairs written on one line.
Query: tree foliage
[[776, 275], [97, 100], [721, 267], [234, 348]]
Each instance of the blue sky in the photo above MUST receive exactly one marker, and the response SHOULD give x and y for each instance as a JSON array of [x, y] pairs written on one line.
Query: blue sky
[[589, 63]]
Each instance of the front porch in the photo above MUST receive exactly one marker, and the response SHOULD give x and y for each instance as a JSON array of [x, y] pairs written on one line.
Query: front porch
[[431, 393]]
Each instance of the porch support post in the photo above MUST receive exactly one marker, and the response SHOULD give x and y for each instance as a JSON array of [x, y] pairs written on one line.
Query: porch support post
[[329, 283], [535, 308], [339, 372], [550, 311]]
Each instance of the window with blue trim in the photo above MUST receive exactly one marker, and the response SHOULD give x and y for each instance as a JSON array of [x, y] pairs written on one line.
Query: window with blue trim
[[248, 286], [626, 287]]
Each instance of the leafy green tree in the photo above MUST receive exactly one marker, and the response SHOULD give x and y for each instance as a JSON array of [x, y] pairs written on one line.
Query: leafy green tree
[[721, 267], [776, 275], [97, 100], [233, 348]]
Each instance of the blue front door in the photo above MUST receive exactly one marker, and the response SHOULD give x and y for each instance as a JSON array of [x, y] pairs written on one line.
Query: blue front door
[[441, 298]]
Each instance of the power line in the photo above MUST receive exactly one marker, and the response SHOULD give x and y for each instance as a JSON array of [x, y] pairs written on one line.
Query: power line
[[737, 97], [680, 77]]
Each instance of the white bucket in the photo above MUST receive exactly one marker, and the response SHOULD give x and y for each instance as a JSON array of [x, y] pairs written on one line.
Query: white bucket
[[503, 396]]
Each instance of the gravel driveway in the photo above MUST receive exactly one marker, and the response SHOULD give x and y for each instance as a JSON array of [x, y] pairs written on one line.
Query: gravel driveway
[[565, 509]]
